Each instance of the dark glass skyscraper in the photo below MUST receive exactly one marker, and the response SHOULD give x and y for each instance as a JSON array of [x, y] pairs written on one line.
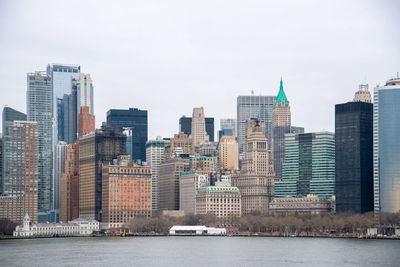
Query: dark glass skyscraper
[[135, 119], [185, 126], [354, 157]]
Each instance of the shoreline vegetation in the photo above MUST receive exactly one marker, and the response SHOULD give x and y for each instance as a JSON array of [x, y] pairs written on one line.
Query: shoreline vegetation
[[327, 225]]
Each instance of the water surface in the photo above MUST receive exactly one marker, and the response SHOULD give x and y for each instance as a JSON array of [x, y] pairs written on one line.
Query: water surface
[[199, 251]]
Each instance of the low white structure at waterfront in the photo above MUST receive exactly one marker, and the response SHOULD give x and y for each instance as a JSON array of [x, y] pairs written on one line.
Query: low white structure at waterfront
[[196, 230], [77, 227]]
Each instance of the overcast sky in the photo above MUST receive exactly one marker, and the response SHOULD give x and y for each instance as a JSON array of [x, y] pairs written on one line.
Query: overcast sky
[[170, 56]]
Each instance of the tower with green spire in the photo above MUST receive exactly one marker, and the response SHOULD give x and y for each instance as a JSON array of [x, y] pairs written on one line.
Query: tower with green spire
[[281, 125], [281, 95]]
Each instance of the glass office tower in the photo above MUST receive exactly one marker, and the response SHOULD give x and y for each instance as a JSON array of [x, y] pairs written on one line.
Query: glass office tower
[[354, 157], [135, 119], [61, 76], [40, 109], [254, 107], [387, 146], [309, 166]]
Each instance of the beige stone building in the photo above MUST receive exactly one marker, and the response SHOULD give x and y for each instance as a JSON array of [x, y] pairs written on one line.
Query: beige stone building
[[228, 153], [180, 144], [363, 95], [256, 179], [199, 134], [203, 164], [223, 201]]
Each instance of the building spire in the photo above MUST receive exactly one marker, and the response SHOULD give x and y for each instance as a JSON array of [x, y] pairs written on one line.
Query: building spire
[[281, 94]]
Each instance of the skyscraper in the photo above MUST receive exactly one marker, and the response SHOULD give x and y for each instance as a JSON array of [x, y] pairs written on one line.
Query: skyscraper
[[9, 116], [59, 169], [67, 118], [69, 196], [96, 148], [185, 126], [137, 120], [228, 153], [257, 177], [254, 107], [61, 76], [309, 165], [39, 109], [155, 154], [363, 94], [281, 122], [387, 146], [21, 168], [199, 134], [85, 92], [228, 124], [354, 155], [168, 182], [180, 144], [86, 121]]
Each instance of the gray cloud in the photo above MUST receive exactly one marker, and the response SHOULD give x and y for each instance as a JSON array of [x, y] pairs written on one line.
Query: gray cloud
[[169, 56]]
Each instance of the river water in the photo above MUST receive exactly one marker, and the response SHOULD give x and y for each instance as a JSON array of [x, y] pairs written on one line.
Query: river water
[[199, 251]]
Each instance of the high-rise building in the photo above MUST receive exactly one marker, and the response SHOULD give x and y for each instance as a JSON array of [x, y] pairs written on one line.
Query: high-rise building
[[199, 134], [208, 149], [9, 116], [254, 107], [69, 196], [257, 178], [126, 192], [86, 121], [185, 126], [189, 183], [309, 165], [168, 182], [21, 169], [40, 109], [228, 153], [279, 133], [281, 122], [67, 118], [137, 120], [354, 156], [59, 169], [203, 164], [180, 144], [61, 76], [155, 154], [363, 94], [387, 146], [258, 158], [96, 148], [85, 94], [225, 132], [228, 124]]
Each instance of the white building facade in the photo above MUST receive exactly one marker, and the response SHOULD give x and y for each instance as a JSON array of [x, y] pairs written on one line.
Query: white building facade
[[77, 227]]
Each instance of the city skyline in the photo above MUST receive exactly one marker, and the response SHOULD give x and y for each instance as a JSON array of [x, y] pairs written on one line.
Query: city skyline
[[218, 51]]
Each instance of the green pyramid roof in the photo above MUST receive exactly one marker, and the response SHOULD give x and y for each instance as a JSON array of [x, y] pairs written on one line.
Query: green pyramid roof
[[281, 95]]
